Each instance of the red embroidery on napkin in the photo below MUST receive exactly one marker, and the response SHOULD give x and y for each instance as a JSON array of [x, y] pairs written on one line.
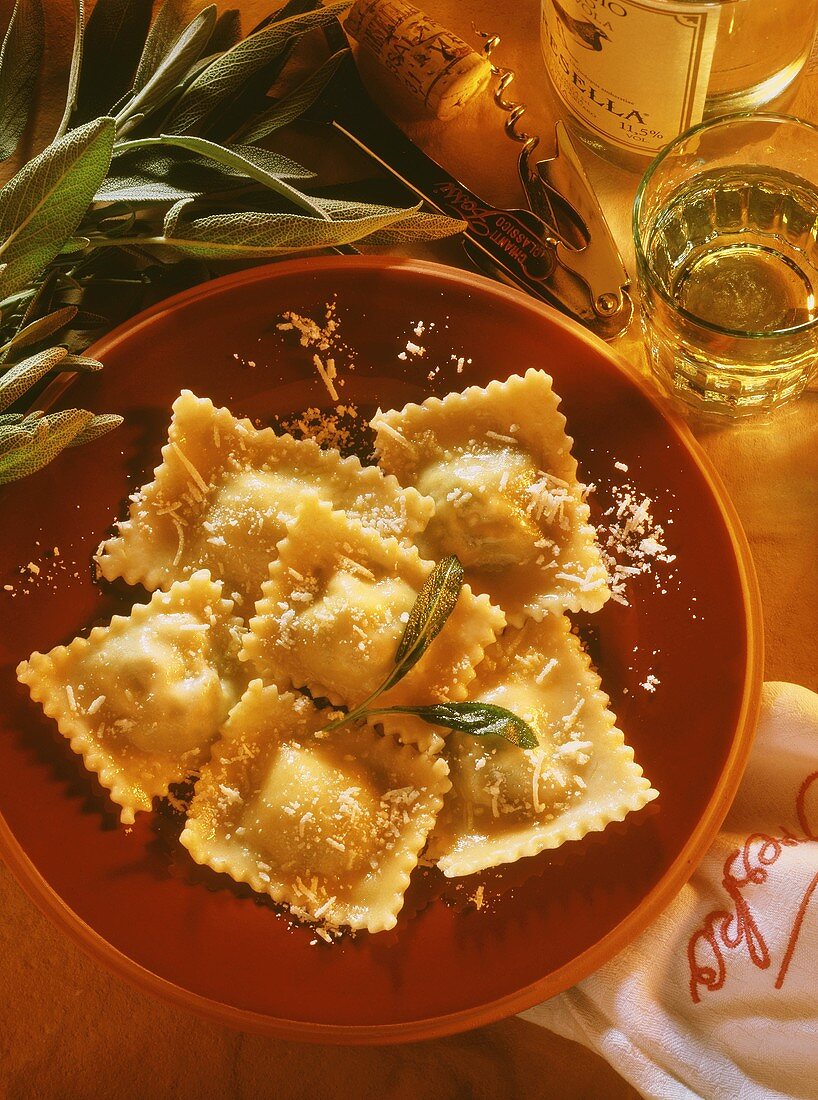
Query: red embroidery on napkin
[[723, 928], [796, 931]]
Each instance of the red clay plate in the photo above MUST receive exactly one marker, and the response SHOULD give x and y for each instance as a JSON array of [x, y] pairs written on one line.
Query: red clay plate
[[133, 898]]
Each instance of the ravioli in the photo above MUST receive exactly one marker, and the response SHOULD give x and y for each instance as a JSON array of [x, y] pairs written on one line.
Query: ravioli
[[333, 612], [142, 699], [506, 802], [497, 462], [330, 825], [224, 495], [276, 562]]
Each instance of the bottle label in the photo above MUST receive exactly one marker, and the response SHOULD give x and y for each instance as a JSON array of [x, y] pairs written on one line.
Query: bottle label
[[635, 72]]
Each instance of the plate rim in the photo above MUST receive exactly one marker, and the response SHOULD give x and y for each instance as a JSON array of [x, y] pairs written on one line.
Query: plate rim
[[652, 905]]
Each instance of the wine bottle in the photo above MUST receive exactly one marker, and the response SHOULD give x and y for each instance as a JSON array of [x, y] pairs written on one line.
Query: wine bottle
[[633, 74]]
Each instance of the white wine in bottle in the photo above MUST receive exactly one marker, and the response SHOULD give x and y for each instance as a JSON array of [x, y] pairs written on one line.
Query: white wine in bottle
[[632, 74]]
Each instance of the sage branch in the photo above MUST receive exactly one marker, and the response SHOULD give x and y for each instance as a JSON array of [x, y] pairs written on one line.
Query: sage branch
[[155, 173], [430, 612]]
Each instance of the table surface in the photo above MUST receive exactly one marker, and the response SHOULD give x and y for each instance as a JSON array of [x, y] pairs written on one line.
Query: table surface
[[68, 1029]]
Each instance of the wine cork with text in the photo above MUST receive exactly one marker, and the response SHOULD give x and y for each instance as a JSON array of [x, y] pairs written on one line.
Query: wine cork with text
[[435, 66]]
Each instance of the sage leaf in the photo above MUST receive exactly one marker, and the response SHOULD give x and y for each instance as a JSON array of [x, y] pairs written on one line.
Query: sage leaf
[[262, 165], [75, 71], [226, 75], [42, 297], [11, 423], [476, 719], [115, 219], [39, 439], [95, 428], [41, 207], [251, 234], [257, 164], [171, 19], [114, 39], [20, 60], [430, 612], [194, 71], [80, 363], [184, 53], [161, 173], [418, 227], [295, 103], [22, 376], [347, 209], [432, 607], [74, 244], [226, 33], [52, 435], [13, 438], [143, 189], [40, 329], [86, 319], [264, 161], [227, 119]]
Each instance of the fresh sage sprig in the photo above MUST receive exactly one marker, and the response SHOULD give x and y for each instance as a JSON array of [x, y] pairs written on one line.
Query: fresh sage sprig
[[28, 442], [42, 206], [432, 607], [430, 612], [155, 175], [478, 719], [162, 74], [20, 61]]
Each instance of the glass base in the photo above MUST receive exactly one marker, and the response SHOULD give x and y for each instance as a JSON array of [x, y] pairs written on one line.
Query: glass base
[[729, 394]]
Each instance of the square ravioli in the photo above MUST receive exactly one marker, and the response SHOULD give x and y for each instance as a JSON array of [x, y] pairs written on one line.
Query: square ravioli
[[335, 608], [497, 462], [223, 497], [329, 824], [508, 802], [142, 699]]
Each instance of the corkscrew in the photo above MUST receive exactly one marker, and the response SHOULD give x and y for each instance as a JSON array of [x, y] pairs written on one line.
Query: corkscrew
[[541, 198], [577, 224], [560, 248]]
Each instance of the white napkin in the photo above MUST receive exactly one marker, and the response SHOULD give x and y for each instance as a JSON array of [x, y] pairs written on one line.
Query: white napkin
[[719, 998]]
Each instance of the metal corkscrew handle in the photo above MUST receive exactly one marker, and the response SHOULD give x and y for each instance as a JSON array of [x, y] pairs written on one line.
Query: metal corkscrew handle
[[558, 249], [538, 198], [560, 194]]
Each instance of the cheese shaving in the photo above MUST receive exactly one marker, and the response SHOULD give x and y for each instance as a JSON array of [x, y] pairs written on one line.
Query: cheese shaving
[[198, 480], [325, 377], [95, 705]]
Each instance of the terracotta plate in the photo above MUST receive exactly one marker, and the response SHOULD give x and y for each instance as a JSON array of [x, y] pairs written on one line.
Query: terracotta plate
[[133, 898]]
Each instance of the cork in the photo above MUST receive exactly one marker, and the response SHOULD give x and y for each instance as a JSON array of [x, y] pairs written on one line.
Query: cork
[[435, 66]]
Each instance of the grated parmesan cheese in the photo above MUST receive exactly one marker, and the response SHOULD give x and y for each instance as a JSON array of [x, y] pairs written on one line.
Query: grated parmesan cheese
[[541, 675], [95, 705], [325, 376], [198, 480], [631, 540]]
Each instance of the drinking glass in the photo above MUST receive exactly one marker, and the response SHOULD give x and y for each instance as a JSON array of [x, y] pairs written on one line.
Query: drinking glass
[[726, 230]]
